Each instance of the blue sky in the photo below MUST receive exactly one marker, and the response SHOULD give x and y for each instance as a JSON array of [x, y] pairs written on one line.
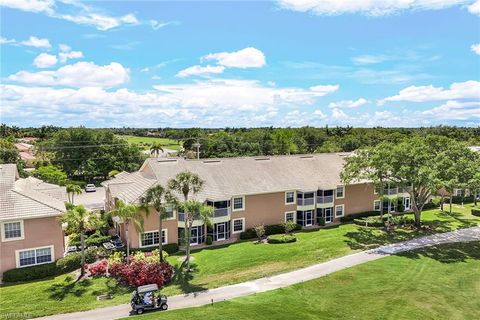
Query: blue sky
[[243, 63]]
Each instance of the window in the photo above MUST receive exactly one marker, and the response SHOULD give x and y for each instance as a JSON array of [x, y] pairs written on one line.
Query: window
[[238, 203], [290, 216], [34, 256], [339, 211], [151, 238], [340, 192], [377, 205], [289, 197], [458, 192], [12, 230], [238, 225], [169, 211]]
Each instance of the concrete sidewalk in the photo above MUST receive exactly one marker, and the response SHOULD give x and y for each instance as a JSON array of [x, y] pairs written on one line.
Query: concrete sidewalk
[[281, 280]]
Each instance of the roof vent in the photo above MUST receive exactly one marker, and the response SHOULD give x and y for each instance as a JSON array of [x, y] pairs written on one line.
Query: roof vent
[[211, 161], [167, 160], [262, 159], [306, 157]]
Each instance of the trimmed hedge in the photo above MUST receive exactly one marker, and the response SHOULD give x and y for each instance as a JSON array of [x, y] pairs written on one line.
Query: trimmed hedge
[[459, 200], [269, 230], [73, 261], [31, 273], [209, 240], [169, 248], [351, 217], [281, 238], [476, 212]]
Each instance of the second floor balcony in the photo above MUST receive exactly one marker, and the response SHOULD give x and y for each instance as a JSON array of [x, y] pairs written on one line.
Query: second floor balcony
[[305, 202], [324, 199]]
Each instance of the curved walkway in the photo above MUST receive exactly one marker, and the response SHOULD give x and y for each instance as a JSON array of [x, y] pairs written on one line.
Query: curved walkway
[[281, 280]]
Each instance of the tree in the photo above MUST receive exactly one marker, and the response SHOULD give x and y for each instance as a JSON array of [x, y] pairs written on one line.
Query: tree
[[194, 210], [78, 219], [8, 151], [186, 183], [72, 190], [128, 214], [51, 174], [155, 149], [259, 231], [158, 198], [289, 226]]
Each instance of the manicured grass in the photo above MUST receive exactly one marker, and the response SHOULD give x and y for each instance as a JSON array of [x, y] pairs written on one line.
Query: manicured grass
[[145, 142], [229, 264], [433, 283]]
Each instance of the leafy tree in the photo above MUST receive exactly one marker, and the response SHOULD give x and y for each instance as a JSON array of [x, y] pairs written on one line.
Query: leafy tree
[[8, 151], [155, 149], [187, 183], [78, 220], [259, 231], [128, 214], [289, 226], [194, 210], [51, 174], [72, 190], [160, 199]]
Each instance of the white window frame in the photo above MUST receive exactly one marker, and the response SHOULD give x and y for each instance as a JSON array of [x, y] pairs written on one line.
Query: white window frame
[[22, 231], [17, 256], [155, 244], [233, 225], [343, 193], [457, 191], [243, 203], [294, 215], [343, 210], [380, 207], [294, 197], [174, 216]]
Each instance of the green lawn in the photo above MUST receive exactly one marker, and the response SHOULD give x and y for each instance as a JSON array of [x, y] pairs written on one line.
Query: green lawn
[[145, 142], [434, 283], [230, 264]]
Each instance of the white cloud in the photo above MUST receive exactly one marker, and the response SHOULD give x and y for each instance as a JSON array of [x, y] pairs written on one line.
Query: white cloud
[[319, 114], [64, 56], [245, 58], [369, 59], [157, 24], [64, 48], [200, 71], [348, 103], [36, 42], [455, 110], [85, 14], [458, 90], [80, 74], [475, 48], [371, 7], [45, 60], [6, 41], [474, 8]]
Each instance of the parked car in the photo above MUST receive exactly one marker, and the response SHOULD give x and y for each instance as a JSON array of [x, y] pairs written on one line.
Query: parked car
[[71, 249], [144, 299], [117, 242], [108, 245], [90, 188]]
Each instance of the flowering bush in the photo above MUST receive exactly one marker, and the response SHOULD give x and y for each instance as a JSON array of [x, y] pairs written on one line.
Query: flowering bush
[[98, 269], [116, 257], [141, 272], [150, 257]]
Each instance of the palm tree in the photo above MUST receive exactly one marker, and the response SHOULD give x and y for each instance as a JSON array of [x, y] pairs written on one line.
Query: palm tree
[[128, 214], [194, 210], [159, 198], [72, 190], [78, 219], [155, 149], [186, 183]]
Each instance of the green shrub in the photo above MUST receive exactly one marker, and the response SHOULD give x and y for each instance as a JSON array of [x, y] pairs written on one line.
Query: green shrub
[[73, 261], [476, 212], [269, 230], [430, 205], [281, 238], [31, 273], [459, 200], [96, 239], [376, 221], [351, 217], [274, 229], [170, 248], [209, 240], [248, 234], [321, 221]]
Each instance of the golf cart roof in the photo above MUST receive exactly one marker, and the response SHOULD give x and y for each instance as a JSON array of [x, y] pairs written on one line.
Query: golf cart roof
[[147, 288]]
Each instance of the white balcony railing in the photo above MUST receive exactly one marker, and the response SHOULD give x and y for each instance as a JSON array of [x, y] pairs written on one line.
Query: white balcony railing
[[324, 199], [305, 202]]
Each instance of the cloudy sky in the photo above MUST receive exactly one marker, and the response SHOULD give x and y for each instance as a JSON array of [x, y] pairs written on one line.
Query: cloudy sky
[[214, 64]]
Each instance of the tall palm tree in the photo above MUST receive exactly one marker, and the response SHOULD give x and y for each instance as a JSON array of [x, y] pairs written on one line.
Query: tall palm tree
[[196, 211], [129, 214], [186, 183], [160, 199], [155, 149], [72, 190], [78, 219]]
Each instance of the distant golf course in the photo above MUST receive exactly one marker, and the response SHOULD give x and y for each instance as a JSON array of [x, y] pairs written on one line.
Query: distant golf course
[[146, 142]]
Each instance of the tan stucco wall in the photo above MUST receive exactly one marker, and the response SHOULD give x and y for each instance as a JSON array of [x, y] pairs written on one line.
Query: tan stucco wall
[[150, 223], [39, 232], [268, 208], [358, 198]]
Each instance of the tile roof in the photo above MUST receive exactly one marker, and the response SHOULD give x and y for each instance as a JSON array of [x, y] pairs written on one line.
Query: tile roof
[[228, 177], [27, 198]]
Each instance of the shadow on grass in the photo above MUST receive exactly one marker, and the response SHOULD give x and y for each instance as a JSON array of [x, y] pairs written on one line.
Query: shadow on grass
[[447, 253], [183, 279], [367, 238], [58, 291]]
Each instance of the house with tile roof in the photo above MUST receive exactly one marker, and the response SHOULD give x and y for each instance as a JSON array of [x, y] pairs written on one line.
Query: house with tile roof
[[247, 191], [30, 233]]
